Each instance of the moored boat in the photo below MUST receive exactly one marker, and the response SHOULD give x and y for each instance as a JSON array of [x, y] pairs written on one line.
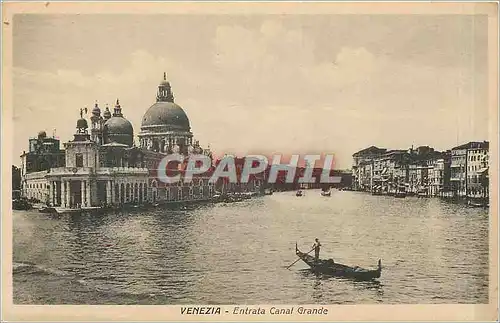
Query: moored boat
[[299, 193], [64, 210], [324, 193], [400, 191], [47, 209], [21, 204], [329, 267]]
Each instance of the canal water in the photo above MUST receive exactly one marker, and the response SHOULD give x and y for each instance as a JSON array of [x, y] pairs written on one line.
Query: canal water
[[432, 252]]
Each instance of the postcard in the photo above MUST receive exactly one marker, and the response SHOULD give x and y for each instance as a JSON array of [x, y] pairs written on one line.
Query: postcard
[[247, 161]]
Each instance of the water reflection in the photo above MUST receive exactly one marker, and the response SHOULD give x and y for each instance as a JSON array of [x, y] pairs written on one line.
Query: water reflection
[[237, 253]]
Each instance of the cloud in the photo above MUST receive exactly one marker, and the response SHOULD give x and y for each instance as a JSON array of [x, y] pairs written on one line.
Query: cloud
[[265, 88]]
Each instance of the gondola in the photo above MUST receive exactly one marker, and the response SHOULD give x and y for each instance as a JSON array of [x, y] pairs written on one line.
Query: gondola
[[330, 268]]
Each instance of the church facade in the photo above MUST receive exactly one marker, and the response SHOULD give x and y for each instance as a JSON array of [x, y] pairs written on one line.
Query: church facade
[[102, 166]]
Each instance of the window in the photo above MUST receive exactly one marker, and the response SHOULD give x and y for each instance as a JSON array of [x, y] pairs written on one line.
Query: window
[[79, 160]]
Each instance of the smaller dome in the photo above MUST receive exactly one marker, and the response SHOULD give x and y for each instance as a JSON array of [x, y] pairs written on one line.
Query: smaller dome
[[107, 113], [119, 130], [96, 111], [81, 124], [119, 125], [42, 134]]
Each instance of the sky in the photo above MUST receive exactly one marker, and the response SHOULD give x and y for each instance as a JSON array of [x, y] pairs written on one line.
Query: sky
[[261, 83]]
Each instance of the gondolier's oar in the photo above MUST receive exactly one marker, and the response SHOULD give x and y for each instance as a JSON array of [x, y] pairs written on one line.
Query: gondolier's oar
[[293, 263]]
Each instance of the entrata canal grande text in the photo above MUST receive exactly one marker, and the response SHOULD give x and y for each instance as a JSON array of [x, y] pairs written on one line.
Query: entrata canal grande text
[[176, 167]]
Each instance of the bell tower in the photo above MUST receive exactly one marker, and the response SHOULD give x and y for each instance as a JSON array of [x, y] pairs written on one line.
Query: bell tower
[[96, 125], [82, 151]]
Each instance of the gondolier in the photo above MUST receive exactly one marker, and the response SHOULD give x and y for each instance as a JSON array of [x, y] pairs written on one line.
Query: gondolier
[[316, 247]]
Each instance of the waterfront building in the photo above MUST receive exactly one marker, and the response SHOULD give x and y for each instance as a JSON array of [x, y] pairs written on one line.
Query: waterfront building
[[469, 170], [44, 153], [420, 164], [458, 173], [363, 165], [102, 165], [439, 175], [461, 172], [390, 171], [477, 169]]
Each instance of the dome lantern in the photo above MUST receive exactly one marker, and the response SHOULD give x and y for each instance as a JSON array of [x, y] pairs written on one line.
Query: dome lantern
[[42, 135], [164, 91], [107, 113], [96, 111], [118, 109]]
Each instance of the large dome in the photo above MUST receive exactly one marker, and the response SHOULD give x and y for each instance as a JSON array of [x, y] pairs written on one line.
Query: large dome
[[166, 114]]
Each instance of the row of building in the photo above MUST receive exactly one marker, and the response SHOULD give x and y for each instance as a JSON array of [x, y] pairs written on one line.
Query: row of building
[[461, 172]]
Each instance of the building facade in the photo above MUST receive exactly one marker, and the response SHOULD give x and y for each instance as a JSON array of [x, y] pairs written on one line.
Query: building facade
[[461, 172], [102, 165]]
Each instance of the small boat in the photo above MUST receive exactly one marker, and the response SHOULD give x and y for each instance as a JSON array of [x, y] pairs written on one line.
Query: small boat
[[299, 193], [400, 192], [38, 206], [400, 195], [268, 192], [21, 204], [64, 210], [326, 193], [47, 209], [329, 267], [477, 203]]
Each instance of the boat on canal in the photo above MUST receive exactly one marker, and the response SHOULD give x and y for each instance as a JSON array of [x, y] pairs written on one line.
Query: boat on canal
[[326, 191], [299, 193], [330, 268], [21, 204], [47, 209], [400, 191]]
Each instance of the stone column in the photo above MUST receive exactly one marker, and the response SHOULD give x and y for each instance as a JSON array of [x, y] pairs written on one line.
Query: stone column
[[82, 188], [68, 193], [63, 193], [56, 192], [88, 194], [51, 192], [108, 192]]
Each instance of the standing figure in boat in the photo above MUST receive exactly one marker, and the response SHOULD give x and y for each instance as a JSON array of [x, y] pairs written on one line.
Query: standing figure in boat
[[316, 247]]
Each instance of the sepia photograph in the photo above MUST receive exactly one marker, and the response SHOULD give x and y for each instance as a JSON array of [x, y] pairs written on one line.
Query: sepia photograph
[[271, 164]]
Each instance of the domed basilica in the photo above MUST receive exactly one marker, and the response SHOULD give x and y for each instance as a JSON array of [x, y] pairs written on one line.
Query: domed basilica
[[104, 166]]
